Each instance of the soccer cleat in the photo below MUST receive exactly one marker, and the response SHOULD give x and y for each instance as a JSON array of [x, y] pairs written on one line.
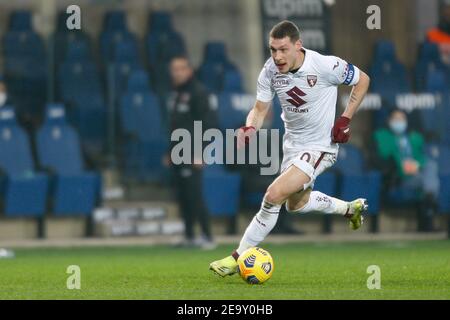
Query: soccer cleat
[[225, 267], [355, 211]]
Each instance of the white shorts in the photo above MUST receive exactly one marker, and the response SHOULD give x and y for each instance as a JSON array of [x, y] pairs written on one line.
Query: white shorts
[[311, 162]]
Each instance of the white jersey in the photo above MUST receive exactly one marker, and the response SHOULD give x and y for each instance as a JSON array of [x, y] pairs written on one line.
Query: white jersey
[[308, 98]]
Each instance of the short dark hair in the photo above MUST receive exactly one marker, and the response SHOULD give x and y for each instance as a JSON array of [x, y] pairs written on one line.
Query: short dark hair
[[285, 28]]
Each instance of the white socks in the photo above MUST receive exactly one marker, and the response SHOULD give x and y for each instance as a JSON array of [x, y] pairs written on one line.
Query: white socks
[[319, 201], [267, 217], [261, 225]]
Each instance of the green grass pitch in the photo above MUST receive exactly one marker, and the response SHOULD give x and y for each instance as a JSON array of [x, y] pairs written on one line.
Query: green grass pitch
[[409, 270]]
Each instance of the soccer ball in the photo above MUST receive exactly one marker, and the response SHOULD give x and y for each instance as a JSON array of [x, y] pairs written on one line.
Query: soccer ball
[[255, 265]]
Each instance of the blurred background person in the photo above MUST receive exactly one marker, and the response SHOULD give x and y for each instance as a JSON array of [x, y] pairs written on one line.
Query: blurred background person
[[410, 177], [441, 33], [189, 103]]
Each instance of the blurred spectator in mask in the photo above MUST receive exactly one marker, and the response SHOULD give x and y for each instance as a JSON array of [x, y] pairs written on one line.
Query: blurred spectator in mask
[[3, 93], [441, 34], [189, 103], [410, 177]]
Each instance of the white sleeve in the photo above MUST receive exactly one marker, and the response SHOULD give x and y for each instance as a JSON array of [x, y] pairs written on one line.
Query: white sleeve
[[264, 90], [339, 71]]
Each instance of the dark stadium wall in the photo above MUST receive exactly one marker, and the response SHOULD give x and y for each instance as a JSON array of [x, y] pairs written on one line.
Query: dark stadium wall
[[404, 22]]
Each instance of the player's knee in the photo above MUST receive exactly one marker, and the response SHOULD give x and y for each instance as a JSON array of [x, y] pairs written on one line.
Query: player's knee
[[274, 195]]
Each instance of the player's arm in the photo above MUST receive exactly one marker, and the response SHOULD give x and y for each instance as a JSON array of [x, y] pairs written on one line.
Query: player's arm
[[255, 118], [357, 95], [254, 122], [341, 129], [257, 114], [341, 72]]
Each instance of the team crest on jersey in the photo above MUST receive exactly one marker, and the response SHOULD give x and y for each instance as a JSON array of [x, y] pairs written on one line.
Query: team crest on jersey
[[312, 79]]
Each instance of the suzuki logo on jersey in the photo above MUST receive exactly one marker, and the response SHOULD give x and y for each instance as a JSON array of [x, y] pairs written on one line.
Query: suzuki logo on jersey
[[311, 79], [296, 94]]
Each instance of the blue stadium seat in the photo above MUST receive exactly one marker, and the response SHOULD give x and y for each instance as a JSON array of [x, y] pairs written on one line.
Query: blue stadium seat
[[211, 75], [215, 51], [126, 50], [75, 191], [221, 190], [441, 154], [139, 81], [437, 82], [214, 66], [444, 194], [78, 50], [146, 138], [81, 90], [109, 41], [384, 50], [142, 113], [77, 78], [351, 159], [388, 75], [233, 109], [429, 60], [24, 191], [232, 82], [160, 22], [88, 114], [162, 43], [115, 31], [20, 20], [115, 20], [125, 61], [356, 181], [23, 44], [161, 47], [25, 67], [63, 37], [443, 159], [429, 120], [434, 120], [326, 183], [161, 32]]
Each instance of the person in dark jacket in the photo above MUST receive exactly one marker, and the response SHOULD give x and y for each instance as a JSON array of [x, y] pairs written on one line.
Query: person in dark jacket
[[189, 103]]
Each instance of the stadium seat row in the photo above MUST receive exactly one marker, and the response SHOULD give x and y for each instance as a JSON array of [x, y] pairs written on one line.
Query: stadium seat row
[[59, 183]]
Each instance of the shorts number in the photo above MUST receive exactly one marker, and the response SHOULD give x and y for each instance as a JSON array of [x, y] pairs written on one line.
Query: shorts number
[[307, 156]]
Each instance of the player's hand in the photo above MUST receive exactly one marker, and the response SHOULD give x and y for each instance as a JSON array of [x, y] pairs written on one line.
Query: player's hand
[[410, 166], [244, 135], [341, 130]]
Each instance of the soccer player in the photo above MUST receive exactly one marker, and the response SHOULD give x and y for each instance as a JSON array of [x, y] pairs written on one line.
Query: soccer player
[[306, 84]]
